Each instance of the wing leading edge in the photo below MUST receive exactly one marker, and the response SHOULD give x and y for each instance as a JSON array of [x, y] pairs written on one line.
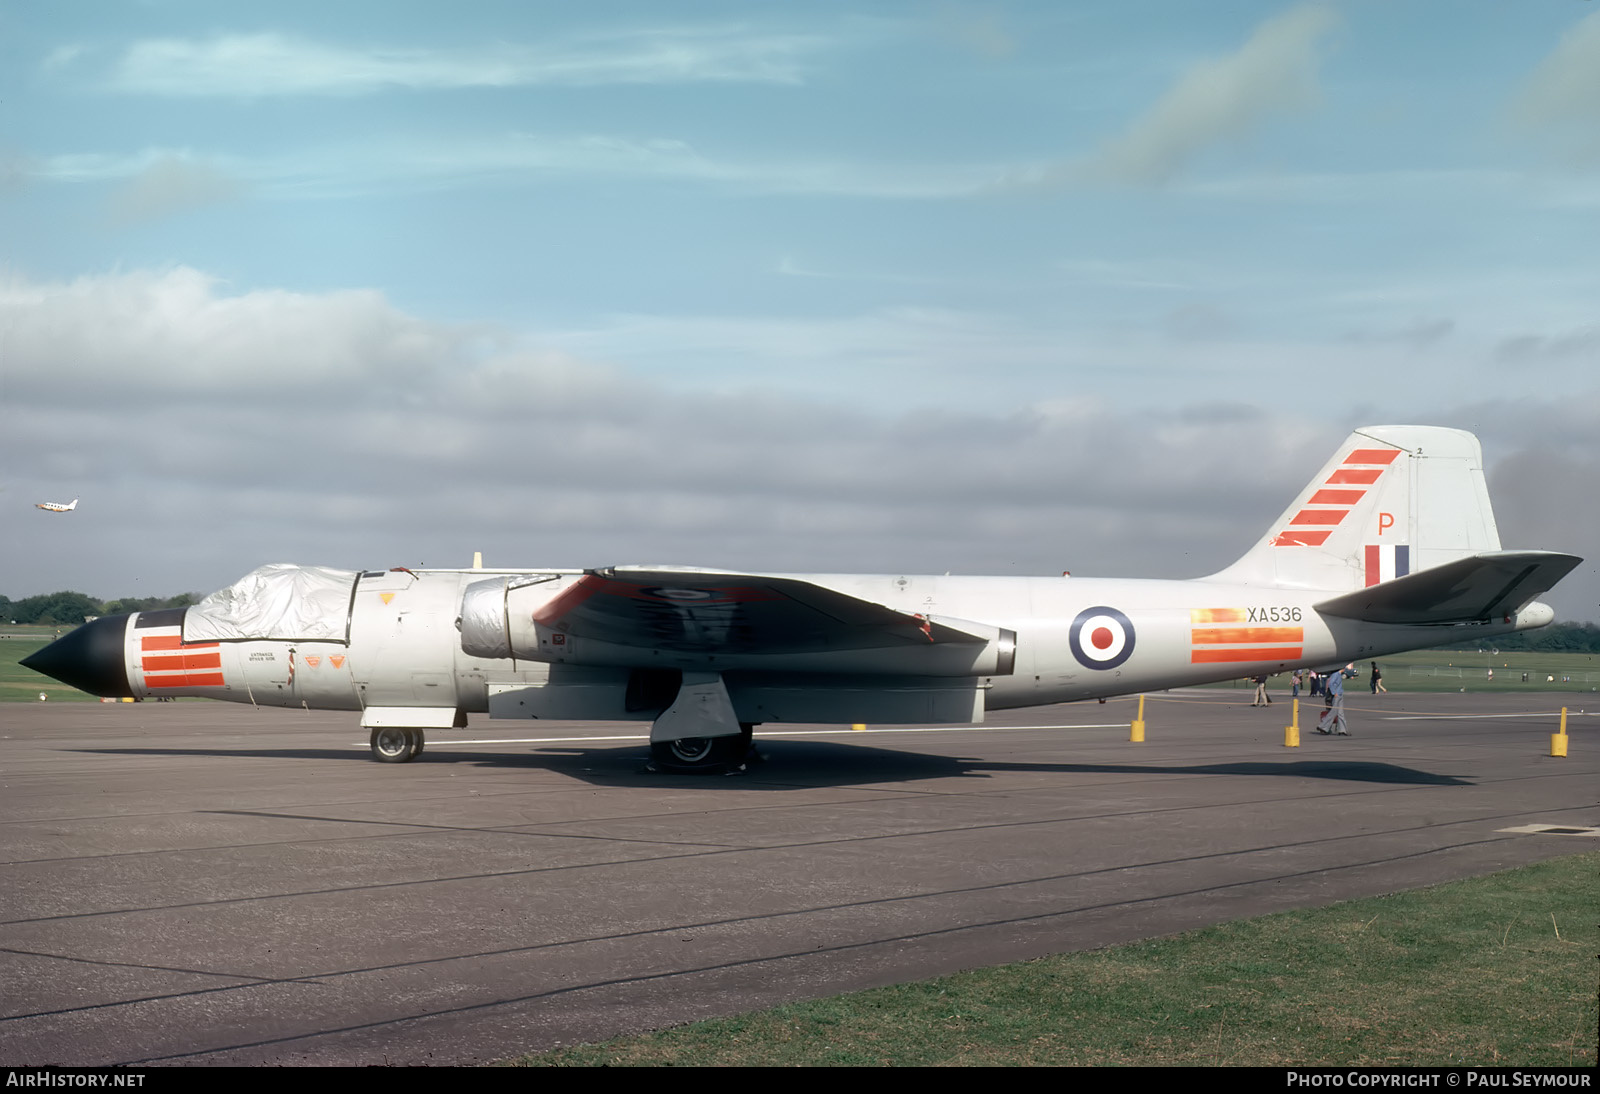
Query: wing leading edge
[[1468, 590]]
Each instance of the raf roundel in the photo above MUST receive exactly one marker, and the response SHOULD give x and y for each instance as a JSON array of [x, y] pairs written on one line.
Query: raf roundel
[[1101, 638]]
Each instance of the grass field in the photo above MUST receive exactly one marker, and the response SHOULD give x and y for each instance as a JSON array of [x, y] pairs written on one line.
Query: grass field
[[1496, 970], [19, 685]]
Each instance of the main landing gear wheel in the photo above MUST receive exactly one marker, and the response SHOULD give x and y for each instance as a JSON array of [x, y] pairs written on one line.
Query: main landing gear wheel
[[392, 745], [703, 755]]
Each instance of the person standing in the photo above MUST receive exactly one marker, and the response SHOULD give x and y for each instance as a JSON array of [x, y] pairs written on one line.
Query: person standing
[[1262, 698], [1294, 684], [1377, 680], [1333, 718]]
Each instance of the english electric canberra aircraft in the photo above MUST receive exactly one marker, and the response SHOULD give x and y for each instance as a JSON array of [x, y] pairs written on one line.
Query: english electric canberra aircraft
[[1391, 547]]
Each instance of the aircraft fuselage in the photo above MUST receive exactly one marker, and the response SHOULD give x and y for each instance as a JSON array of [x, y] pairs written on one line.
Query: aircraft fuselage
[[1075, 638]]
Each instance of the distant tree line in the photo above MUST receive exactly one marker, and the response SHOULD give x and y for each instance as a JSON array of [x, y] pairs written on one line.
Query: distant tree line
[[1556, 638], [70, 609]]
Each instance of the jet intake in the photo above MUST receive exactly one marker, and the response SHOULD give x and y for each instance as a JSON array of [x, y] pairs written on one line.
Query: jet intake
[[486, 608]]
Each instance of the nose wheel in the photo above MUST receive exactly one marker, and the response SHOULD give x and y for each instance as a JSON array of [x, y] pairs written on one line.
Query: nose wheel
[[393, 745]]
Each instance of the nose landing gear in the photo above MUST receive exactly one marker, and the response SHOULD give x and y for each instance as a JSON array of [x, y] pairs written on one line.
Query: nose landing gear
[[393, 745]]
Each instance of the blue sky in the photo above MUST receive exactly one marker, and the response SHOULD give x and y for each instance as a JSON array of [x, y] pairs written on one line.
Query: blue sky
[[982, 287]]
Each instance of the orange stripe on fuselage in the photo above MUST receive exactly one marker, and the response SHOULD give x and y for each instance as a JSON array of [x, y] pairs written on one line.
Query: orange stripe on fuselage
[[172, 642], [183, 661], [1234, 635], [193, 680], [1263, 653]]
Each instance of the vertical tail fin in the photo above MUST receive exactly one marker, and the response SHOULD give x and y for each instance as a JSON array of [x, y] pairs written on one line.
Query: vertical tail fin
[[1394, 499]]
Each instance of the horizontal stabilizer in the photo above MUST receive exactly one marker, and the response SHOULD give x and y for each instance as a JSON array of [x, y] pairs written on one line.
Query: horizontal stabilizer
[[1473, 589]]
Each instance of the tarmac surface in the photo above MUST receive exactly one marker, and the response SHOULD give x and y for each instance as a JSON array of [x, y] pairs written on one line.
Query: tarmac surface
[[194, 883]]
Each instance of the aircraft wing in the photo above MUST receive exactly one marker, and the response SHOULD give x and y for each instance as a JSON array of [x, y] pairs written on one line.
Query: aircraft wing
[[710, 611], [1480, 587]]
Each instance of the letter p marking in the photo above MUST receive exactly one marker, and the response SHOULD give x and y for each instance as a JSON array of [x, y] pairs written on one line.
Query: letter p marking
[[1385, 520]]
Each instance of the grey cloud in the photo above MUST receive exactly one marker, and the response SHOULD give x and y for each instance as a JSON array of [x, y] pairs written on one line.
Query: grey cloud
[[1200, 320], [401, 442], [1533, 348], [1559, 101], [981, 30], [1419, 334], [1274, 72], [169, 186]]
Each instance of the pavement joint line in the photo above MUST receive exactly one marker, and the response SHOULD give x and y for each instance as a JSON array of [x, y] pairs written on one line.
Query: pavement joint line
[[439, 742]]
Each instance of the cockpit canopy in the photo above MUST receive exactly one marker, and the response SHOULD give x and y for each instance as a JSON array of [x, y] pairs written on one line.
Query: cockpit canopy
[[282, 601]]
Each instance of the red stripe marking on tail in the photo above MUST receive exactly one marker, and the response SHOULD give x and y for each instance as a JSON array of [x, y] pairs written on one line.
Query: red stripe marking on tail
[[1385, 456], [1319, 516], [1336, 497], [1354, 476]]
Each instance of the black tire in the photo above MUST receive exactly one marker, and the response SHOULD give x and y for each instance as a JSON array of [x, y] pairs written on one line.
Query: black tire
[[703, 755], [392, 745]]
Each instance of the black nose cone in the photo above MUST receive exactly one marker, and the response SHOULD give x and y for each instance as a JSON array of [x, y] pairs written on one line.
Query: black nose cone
[[89, 658]]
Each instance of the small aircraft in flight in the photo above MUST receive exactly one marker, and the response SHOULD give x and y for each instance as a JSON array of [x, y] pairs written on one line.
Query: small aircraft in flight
[[57, 506], [1392, 546]]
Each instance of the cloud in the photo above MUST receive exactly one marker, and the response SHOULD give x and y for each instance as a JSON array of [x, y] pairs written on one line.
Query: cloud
[[1580, 345], [354, 168], [257, 65], [62, 56], [1418, 334], [168, 186], [211, 430], [173, 337], [1219, 100], [1561, 100], [981, 30]]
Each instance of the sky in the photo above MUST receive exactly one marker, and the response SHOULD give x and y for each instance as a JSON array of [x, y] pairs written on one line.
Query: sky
[[1006, 288]]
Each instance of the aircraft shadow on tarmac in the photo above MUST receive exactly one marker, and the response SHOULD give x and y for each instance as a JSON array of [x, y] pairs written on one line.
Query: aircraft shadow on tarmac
[[794, 765]]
